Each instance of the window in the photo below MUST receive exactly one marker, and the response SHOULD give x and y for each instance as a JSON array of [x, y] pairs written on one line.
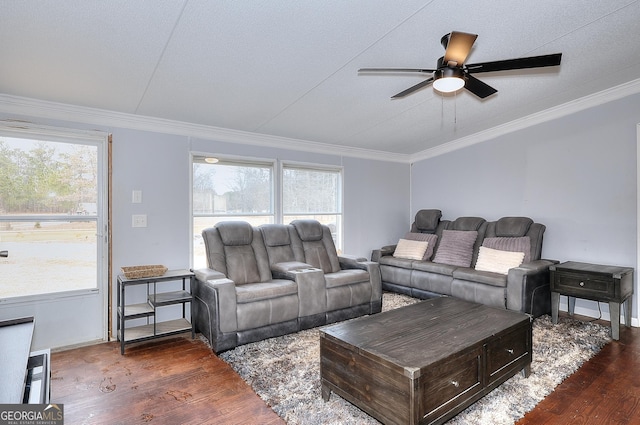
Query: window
[[229, 190], [245, 190], [313, 192], [49, 215]]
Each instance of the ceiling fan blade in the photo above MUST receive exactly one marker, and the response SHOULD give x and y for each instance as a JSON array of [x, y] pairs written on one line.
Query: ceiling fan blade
[[520, 63], [458, 45], [477, 87], [413, 88], [395, 70]]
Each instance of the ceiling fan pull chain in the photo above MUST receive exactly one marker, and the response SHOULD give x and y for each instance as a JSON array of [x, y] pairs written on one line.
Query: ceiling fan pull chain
[[441, 111], [455, 109]]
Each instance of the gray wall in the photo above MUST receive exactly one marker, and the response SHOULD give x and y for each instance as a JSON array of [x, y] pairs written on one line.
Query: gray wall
[[575, 174], [159, 165], [376, 199]]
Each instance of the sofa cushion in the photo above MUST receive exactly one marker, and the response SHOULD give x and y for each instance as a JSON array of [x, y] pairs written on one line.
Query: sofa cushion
[[389, 260], [430, 238], [288, 266], [456, 247], [242, 266], [513, 244], [480, 277], [437, 268], [410, 249], [467, 223], [493, 260], [427, 220], [251, 292], [480, 280], [346, 277], [275, 234], [308, 230], [235, 232], [513, 226]]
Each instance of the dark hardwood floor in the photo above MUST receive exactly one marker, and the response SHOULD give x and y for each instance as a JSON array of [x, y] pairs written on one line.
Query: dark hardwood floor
[[170, 381], [178, 380], [605, 390]]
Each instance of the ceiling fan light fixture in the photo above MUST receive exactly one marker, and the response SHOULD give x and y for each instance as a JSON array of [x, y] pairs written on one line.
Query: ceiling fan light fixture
[[448, 80]]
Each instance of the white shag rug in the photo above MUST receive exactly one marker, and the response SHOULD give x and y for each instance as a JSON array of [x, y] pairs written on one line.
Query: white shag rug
[[285, 373]]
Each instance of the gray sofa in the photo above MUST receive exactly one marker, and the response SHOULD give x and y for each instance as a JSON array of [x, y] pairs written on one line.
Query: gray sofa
[[522, 288], [275, 279]]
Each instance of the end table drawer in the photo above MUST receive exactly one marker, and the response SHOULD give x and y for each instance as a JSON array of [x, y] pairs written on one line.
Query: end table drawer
[[587, 286]]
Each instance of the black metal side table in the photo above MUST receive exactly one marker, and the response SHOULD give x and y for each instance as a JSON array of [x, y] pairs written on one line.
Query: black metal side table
[[612, 284], [148, 309]]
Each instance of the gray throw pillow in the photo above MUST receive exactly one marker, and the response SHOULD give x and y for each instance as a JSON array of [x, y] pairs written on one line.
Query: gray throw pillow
[[456, 248], [430, 238]]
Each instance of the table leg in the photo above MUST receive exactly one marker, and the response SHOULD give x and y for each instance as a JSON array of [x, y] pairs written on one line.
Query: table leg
[[571, 304], [555, 305], [627, 311], [326, 392], [614, 312]]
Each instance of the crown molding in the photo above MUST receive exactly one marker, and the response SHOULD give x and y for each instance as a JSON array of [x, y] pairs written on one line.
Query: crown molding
[[596, 99], [22, 106]]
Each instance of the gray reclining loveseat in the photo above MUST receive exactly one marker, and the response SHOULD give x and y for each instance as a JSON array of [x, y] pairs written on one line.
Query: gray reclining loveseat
[[275, 279], [441, 271]]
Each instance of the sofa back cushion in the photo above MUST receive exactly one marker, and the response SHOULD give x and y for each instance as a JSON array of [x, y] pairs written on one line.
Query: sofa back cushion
[[236, 249], [312, 244], [277, 241], [518, 227], [427, 221], [242, 266], [513, 226]]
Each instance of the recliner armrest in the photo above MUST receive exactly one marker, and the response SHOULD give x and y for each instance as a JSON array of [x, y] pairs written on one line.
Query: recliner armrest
[[219, 294], [283, 270], [350, 262], [522, 279], [208, 274], [312, 292], [385, 250], [532, 267], [348, 257]]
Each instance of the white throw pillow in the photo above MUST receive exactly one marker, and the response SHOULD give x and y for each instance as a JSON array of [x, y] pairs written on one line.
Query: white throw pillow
[[496, 261], [412, 250]]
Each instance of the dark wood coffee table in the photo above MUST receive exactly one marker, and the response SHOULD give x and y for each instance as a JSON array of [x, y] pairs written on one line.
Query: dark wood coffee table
[[424, 363]]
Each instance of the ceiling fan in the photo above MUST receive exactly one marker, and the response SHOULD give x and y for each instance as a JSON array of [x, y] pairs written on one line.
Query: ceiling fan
[[452, 73]]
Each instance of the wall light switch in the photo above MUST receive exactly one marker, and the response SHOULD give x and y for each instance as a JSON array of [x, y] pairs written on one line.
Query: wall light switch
[[139, 220], [136, 197]]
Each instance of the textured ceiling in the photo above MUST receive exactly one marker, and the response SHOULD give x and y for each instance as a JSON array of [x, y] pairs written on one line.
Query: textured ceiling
[[289, 68]]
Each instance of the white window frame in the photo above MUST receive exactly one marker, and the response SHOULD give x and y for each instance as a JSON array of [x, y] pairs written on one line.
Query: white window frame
[[315, 167], [235, 160], [277, 189], [99, 139]]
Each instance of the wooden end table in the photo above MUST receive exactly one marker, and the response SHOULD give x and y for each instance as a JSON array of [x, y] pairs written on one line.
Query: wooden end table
[[612, 284]]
